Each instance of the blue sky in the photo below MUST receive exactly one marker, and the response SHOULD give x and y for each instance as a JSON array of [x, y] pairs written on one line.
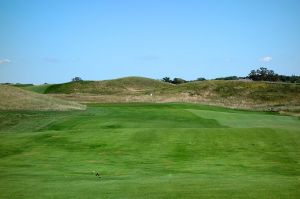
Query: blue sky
[[55, 40]]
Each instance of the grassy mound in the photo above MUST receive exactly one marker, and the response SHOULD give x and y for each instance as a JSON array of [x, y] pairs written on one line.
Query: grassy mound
[[258, 91], [233, 92], [149, 151], [237, 94], [13, 98], [38, 88], [133, 85]]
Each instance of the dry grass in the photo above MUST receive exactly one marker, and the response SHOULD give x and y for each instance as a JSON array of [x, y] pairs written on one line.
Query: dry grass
[[281, 97], [287, 107], [13, 98]]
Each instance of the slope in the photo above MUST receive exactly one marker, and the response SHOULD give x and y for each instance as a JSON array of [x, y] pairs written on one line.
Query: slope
[[132, 85], [237, 94], [13, 98]]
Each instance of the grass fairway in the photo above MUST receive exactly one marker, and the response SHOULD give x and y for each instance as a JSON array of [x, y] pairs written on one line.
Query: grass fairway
[[149, 151]]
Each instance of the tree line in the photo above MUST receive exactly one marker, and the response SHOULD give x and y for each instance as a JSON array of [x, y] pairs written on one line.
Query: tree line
[[261, 74], [264, 74]]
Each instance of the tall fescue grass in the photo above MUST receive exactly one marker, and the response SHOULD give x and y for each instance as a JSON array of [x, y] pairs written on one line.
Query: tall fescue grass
[[13, 98], [236, 94]]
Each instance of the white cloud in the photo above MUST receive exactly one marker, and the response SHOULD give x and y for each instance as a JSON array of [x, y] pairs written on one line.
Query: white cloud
[[4, 61], [266, 59]]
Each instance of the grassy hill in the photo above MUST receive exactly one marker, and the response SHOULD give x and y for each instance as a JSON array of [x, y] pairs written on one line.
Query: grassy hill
[[127, 85], [13, 98], [38, 88], [237, 94], [149, 151], [218, 88]]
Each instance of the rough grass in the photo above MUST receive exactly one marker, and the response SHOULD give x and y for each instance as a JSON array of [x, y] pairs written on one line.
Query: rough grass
[[238, 94], [38, 88], [136, 85], [149, 151], [13, 98]]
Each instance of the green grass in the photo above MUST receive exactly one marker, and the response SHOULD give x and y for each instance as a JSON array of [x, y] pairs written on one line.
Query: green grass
[[38, 88], [136, 85], [149, 151]]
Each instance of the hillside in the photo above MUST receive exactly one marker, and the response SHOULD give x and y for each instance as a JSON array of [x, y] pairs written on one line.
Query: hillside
[[13, 98], [38, 88], [244, 92], [237, 94], [127, 85]]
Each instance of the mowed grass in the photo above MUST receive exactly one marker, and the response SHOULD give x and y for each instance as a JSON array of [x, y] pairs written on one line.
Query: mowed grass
[[149, 151]]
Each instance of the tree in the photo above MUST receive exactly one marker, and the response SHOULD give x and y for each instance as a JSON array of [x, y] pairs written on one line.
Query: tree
[[263, 74], [253, 75], [177, 80], [76, 79], [167, 79], [201, 79]]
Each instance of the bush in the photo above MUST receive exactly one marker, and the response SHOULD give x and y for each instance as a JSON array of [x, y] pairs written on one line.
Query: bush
[[177, 80], [201, 79], [228, 78], [76, 79]]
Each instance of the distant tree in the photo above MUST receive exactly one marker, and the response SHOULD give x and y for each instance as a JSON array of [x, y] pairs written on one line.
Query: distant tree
[[167, 79], [291, 79], [201, 79], [177, 80], [294, 79], [227, 78], [253, 75], [76, 79], [263, 74]]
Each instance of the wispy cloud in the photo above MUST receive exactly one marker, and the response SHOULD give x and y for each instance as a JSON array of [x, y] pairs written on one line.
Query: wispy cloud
[[149, 57], [4, 61], [266, 59], [228, 60], [51, 60]]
